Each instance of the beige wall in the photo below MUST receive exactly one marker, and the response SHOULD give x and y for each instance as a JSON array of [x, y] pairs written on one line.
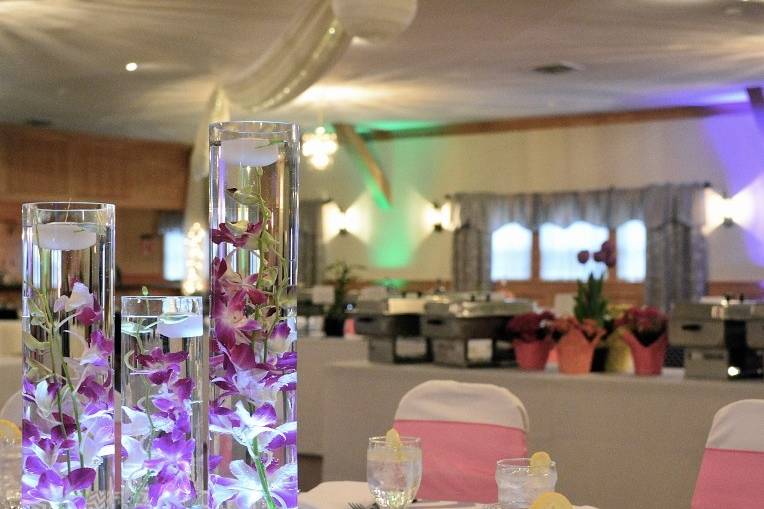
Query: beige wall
[[724, 150]]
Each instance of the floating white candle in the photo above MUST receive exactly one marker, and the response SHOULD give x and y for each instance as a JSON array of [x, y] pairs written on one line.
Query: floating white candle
[[191, 327], [250, 152], [64, 236]]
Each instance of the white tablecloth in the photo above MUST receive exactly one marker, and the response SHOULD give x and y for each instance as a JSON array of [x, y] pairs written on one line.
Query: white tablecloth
[[314, 355], [621, 442], [337, 495]]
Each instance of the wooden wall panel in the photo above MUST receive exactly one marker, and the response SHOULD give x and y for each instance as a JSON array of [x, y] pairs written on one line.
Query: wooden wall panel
[[42, 164]]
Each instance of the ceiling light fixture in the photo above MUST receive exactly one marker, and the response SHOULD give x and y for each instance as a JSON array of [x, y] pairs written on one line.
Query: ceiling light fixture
[[319, 147], [131, 66]]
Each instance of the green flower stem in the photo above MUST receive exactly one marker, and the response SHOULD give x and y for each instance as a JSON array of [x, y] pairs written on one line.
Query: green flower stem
[[263, 479], [76, 411]]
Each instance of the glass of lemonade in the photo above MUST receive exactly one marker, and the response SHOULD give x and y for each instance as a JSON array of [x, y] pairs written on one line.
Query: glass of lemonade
[[394, 471], [520, 483]]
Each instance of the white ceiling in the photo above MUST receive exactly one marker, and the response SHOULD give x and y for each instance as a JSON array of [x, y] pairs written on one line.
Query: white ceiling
[[63, 60]]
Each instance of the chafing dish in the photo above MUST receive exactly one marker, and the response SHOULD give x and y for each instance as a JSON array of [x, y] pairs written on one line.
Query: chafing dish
[[467, 329], [715, 338], [755, 327], [392, 328]]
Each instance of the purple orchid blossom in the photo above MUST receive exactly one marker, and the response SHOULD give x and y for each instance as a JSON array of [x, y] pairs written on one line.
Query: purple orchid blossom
[[61, 492], [232, 326], [239, 235]]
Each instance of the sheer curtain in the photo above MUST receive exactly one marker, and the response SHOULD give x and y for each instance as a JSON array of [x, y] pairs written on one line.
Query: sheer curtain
[[310, 243], [677, 257], [673, 214], [559, 247]]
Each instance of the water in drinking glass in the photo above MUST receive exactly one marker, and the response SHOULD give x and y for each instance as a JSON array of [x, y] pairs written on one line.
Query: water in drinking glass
[[520, 482], [394, 470]]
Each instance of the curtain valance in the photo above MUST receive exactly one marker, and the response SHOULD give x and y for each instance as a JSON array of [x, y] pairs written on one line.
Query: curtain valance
[[655, 205]]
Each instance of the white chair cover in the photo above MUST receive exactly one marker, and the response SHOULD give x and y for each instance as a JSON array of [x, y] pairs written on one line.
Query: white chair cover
[[732, 472], [464, 429]]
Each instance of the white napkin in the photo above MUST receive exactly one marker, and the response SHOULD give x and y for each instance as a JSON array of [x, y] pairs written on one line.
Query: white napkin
[[336, 495]]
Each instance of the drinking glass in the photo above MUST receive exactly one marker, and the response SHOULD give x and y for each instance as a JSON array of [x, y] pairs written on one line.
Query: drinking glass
[[10, 474], [394, 473], [520, 484]]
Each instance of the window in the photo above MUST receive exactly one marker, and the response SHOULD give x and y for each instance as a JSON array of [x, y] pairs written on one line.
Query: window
[[174, 258], [560, 246], [631, 237], [511, 247]]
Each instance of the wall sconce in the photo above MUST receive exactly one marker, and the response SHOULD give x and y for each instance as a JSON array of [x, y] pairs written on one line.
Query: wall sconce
[[439, 216], [342, 222], [728, 212], [724, 211]]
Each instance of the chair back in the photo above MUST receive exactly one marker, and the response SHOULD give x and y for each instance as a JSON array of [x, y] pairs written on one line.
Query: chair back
[[732, 471], [464, 430], [11, 409]]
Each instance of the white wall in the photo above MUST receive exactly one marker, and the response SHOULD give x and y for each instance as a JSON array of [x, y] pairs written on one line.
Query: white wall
[[725, 150]]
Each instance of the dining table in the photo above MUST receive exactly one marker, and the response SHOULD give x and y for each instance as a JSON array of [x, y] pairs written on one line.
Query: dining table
[[352, 494]]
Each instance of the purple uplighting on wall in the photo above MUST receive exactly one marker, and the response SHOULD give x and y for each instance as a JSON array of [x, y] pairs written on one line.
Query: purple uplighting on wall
[[738, 144]]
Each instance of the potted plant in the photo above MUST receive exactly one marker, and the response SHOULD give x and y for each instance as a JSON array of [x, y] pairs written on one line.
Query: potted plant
[[590, 302], [619, 358], [644, 330], [342, 274], [576, 341], [532, 339]]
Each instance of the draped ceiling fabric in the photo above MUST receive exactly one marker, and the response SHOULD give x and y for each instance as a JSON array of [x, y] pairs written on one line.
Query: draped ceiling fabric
[[673, 215]]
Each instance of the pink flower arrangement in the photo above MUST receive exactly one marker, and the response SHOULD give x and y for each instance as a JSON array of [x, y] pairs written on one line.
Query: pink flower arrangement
[[647, 324], [588, 327], [531, 326]]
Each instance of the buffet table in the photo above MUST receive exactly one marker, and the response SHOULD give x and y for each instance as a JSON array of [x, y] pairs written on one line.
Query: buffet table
[[620, 441]]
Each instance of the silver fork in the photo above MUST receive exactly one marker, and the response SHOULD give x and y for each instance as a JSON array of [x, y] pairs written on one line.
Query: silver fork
[[354, 505]]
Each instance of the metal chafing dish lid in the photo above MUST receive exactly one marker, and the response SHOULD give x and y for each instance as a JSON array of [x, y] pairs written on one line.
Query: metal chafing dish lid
[[391, 306], [713, 311], [468, 305]]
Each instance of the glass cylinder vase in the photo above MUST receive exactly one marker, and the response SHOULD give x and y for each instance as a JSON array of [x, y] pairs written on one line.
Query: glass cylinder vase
[[253, 218], [67, 386], [163, 402]]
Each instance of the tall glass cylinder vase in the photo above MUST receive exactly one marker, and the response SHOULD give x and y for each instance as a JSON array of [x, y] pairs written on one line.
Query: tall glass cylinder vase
[[68, 330], [164, 402], [253, 218]]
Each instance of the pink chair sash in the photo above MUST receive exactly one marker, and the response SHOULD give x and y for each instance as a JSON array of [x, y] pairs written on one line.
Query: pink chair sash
[[459, 458], [730, 479]]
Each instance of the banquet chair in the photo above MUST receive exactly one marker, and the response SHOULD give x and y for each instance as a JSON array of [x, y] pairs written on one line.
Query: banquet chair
[[732, 471], [464, 430], [11, 409]]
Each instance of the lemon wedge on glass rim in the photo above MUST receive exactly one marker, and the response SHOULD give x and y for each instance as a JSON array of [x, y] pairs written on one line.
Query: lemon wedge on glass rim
[[9, 431], [393, 440], [551, 500], [540, 461]]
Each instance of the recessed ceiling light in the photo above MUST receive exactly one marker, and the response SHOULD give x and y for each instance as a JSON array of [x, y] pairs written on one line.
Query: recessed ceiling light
[[130, 67]]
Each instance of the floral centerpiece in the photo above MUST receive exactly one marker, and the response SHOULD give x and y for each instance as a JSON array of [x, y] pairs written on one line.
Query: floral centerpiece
[[532, 339], [252, 409], [67, 386], [163, 415], [644, 330]]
